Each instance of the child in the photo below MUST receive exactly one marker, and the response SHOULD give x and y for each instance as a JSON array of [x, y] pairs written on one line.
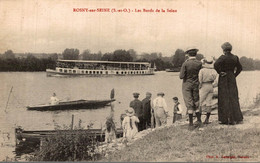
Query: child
[[110, 130], [129, 124], [177, 110]]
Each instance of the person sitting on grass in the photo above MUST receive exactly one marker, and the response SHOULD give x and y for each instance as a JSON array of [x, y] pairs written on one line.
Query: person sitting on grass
[[129, 124], [177, 110]]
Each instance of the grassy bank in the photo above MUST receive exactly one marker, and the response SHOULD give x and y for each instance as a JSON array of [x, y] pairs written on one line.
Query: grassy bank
[[212, 143], [179, 144]]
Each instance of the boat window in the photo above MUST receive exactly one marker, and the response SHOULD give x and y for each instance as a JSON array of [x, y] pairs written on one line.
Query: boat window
[[74, 71], [122, 72], [60, 70], [143, 72], [106, 72], [90, 72], [97, 72], [82, 72], [86, 72], [131, 72], [117, 72], [94, 72], [125, 72], [101, 72], [137, 72], [65, 71], [69, 70]]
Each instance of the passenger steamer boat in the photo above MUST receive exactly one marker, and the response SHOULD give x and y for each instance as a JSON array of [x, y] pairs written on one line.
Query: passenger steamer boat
[[100, 68]]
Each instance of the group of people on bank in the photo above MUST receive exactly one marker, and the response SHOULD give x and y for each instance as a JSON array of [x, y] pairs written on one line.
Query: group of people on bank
[[199, 79], [198, 83], [148, 113]]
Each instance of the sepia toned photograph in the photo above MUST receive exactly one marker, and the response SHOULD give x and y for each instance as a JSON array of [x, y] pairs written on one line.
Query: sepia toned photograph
[[130, 81]]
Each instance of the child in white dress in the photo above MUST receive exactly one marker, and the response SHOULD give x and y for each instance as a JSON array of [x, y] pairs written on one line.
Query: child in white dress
[[129, 124]]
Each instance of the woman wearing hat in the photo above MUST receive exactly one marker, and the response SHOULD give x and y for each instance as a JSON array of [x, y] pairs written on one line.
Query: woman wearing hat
[[129, 124], [207, 76], [228, 68]]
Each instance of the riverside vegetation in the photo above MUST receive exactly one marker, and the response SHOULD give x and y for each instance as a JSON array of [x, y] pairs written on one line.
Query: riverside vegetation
[[10, 61], [213, 142]]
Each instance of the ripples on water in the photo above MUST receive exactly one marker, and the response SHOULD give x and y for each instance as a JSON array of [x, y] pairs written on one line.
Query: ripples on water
[[32, 88]]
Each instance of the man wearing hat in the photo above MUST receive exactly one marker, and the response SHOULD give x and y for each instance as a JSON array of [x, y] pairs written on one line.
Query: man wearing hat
[[147, 110], [137, 105], [190, 86], [160, 110], [207, 76]]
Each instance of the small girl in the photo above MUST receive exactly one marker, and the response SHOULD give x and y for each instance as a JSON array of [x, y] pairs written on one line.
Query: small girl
[[177, 110], [110, 130], [129, 124]]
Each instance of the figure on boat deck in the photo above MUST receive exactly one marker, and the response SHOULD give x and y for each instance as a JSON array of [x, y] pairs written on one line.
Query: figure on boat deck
[[54, 100]]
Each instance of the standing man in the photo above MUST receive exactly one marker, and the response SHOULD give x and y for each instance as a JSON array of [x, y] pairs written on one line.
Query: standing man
[[190, 86], [137, 105], [147, 110], [160, 110]]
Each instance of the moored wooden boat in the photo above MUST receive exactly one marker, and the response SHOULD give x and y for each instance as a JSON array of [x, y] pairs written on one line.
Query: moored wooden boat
[[29, 141], [69, 105]]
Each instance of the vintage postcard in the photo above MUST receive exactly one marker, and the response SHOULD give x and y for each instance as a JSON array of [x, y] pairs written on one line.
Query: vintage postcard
[[130, 80]]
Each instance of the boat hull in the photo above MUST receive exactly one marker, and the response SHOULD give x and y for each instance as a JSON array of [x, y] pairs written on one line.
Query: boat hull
[[29, 141], [72, 105], [84, 72]]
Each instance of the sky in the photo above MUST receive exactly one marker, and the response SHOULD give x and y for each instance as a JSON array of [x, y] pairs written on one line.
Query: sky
[[50, 26]]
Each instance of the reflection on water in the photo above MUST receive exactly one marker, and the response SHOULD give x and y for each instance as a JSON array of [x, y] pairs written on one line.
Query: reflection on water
[[32, 88]]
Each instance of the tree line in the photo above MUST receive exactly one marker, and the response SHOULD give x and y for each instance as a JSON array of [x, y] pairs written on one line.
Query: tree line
[[9, 61]]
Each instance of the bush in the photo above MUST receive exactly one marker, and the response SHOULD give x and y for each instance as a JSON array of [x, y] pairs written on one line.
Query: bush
[[65, 146]]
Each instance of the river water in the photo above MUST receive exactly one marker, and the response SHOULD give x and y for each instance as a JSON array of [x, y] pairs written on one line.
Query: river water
[[32, 88]]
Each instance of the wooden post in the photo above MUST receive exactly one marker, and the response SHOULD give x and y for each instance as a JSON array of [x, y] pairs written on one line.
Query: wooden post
[[72, 121]]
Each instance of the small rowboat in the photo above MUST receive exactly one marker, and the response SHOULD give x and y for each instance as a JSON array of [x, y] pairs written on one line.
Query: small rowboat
[[72, 105], [29, 141]]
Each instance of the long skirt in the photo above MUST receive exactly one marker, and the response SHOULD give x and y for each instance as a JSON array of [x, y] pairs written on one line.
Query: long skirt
[[228, 104]]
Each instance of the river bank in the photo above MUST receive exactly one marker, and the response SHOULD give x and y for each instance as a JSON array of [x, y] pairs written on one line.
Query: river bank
[[212, 142]]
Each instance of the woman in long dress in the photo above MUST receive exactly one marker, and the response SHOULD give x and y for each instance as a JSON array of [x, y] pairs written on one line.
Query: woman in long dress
[[228, 68]]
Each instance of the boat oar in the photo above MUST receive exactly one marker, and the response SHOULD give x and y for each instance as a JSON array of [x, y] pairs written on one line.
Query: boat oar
[[8, 98], [112, 94]]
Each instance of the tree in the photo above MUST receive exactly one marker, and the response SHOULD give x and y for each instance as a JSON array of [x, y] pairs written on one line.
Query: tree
[[107, 57], [86, 55], [132, 53], [247, 63], [9, 55], [70, 54], [122, 55], [178, 58]]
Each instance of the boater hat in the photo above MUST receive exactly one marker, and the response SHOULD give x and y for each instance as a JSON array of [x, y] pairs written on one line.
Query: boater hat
[[130, 112], [160, 93], [208, 60], [191, 49]]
